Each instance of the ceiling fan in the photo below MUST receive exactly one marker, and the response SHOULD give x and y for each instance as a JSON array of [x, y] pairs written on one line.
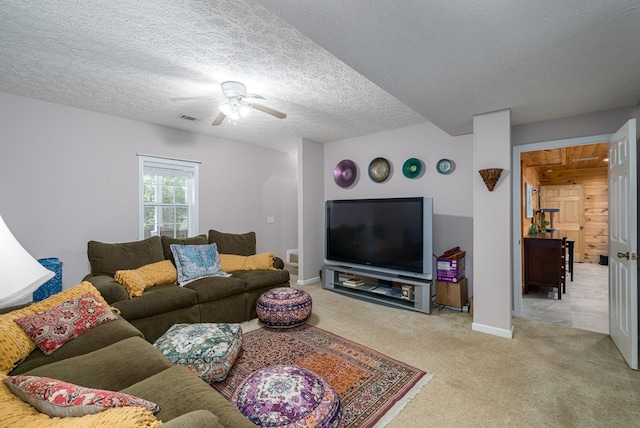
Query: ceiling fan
[[236, 106]]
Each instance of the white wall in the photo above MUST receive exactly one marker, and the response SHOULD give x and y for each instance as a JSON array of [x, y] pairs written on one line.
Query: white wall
[[584, 125], [492, 225], [452, 194], [68, 176]]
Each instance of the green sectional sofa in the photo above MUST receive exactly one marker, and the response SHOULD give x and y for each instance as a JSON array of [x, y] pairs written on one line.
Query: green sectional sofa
[[115, 356], [210, 299], [119, 356]]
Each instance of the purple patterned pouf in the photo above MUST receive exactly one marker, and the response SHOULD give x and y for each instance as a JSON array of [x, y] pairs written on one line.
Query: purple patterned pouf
[[284, 307], [287, 397]]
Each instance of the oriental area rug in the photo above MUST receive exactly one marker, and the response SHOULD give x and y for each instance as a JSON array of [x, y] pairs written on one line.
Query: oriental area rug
[[373, 388]]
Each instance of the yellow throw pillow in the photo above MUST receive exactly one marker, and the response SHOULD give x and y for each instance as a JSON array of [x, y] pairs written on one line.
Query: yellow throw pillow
[[18, 414], [163, 272], [15, 344], [233, 262], [132, 281], [135, 281]]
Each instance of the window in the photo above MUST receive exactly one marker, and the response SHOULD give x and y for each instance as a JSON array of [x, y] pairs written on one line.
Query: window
[[168, 197]]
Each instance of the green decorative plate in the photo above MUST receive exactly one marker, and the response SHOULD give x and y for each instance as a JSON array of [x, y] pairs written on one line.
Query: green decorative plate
[[412, 168]]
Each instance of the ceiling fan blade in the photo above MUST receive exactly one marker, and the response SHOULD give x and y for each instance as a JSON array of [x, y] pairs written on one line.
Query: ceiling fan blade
[[206, 97], [256, 96], [268, 110], [219, 118]]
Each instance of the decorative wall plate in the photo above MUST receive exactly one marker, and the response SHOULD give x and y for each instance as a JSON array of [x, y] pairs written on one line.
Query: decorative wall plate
[[412, 168], [379, 170], [445, 166], [345, 173]]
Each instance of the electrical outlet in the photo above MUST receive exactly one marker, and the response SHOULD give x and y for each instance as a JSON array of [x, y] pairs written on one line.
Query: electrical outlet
[[271, 219]]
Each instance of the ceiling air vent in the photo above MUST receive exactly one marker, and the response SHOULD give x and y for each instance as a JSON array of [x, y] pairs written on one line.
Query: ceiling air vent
[[187, 117]]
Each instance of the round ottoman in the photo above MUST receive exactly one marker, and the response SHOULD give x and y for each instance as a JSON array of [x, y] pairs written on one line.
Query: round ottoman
[[284, 307], [207, 349], [288, 396]]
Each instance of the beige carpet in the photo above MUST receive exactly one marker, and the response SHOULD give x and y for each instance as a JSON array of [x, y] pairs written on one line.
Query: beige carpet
[[547, 375]]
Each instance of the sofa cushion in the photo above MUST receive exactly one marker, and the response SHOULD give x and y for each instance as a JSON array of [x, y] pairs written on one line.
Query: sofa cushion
[[135, 281], [99, 337], [110, 290], [53, 327], [196, 261], [178, 391], [157, 300], [17, 413], [242, 244], [156, 325], [15, 344], [64, 399], [216, 287], [234, 262], [260, 279], [128, 361], [194, 240], [106, 258], [197, 418]]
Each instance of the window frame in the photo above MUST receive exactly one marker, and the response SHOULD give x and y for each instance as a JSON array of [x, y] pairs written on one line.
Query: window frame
[[192, 191]]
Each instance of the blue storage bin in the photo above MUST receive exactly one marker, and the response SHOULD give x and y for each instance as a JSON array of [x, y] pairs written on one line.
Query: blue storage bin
[[54, 285]]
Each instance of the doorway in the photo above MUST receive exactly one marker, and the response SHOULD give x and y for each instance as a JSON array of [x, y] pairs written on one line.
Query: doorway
[[556, 165]]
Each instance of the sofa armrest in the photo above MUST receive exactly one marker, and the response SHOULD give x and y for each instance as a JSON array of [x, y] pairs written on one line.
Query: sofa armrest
[[278, 263], [8, 309], [195, 419], [110, 290]]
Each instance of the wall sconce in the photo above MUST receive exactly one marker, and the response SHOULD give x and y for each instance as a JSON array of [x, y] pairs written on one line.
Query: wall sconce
[[490, 177]]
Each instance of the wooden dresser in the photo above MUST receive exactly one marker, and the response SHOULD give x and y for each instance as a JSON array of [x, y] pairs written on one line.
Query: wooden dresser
[[544, 262]]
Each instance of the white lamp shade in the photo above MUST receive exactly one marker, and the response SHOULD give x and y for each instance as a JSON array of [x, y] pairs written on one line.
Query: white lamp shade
[[20, 274]]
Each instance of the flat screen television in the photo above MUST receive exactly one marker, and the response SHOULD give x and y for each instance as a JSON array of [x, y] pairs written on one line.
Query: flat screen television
[[392, 235]]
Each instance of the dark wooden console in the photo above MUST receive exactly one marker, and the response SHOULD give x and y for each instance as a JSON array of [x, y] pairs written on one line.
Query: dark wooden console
[[544, 263]]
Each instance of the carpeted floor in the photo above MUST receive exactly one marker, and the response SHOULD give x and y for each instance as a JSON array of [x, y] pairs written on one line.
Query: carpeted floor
[[372, 387], [547, 375]]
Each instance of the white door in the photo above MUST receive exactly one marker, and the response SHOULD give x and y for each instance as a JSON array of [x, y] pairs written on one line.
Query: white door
[[623, 243]]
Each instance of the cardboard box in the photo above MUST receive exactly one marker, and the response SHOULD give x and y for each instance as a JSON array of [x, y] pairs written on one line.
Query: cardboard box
[[451, 293], [451, 268]]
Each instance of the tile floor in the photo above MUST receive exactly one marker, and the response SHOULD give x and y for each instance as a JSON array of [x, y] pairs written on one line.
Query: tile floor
[[585, 304]]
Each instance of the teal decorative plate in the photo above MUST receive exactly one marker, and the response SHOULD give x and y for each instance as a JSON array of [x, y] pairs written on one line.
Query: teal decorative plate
[[445, 166], [412, 168]]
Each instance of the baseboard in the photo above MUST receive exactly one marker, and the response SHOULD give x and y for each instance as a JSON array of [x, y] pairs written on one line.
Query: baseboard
[[501, 332], [308, 281]]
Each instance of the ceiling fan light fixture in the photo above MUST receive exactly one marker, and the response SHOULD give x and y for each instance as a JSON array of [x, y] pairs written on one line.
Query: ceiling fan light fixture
[[235, 108], [227, 108], [230, 110], [244, 109]]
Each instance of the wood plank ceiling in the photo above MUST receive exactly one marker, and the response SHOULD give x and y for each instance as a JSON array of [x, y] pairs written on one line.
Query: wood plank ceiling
[[566, 164]]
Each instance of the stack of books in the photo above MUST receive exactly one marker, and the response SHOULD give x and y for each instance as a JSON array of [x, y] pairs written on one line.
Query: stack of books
[[353, 282]]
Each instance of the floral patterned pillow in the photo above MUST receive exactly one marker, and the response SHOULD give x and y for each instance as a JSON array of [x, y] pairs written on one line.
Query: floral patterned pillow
[[196, 261], [52, 328], [58, 398]]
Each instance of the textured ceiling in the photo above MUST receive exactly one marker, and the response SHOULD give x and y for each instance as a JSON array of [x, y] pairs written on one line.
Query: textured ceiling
[[129, 57], [440, 60], [449, 60]]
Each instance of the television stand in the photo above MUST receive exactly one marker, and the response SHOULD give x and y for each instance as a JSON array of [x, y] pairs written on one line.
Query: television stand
[[379, 287]]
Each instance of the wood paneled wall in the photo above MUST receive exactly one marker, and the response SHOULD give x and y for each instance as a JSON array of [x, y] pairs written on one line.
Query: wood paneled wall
[[596, 227], [530, 176]]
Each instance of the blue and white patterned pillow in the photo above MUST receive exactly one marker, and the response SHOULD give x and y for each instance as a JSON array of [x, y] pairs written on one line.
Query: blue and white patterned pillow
[[196, 261]]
